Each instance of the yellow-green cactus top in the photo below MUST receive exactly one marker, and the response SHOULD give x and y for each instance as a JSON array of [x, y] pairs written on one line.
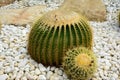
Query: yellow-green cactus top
[[60, 17], [80, 63]]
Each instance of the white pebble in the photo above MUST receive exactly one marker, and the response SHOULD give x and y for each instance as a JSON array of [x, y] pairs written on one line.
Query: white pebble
[[19, 75], [22, 63], [115, 76], [64, 76], [30, 77], [42, 68], [37, 71], [1, 72], [56, 70], [49, 73], [24, 78], [48, 68], [55, 77], [3, 77], [42, 77], [1, 65], [8, 70], [52, 68], [60, 72]]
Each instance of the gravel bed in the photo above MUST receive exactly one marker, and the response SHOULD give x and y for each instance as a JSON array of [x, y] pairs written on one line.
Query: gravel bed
[[16, 64], [28, 3]]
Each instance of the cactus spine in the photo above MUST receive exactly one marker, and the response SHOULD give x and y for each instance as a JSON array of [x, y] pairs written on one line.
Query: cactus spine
[[56, 32], [79, 63]]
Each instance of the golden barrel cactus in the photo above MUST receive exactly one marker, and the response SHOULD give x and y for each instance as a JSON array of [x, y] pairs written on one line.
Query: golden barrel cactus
[[56, 32], [80, 63]]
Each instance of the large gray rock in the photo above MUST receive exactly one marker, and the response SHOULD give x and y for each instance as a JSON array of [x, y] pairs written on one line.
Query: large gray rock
[[5, 2], [93, 9], [21, 16]]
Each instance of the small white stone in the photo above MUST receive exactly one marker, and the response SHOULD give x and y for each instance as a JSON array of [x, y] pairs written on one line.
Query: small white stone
[[16, 64], [105, 67], [52, 68], [22, 63], [12, 45], [101, 73], [37, 71], [49, 73], [64, 76], [22, 56], [42, 68], [43, 73], [29, 77], [19, 75], [48, 68], [1, 72], [24, 78], [54, 77], [112, 78], [42, 77], [14, 75], [8, 70], [32, 67], [27, 66], [1, 65], [32, 72], [94, 79], [115, 75], [2, 57], [61, 78], [113, 68], [27, 69], [10, 74], [60, 72], [16, 69], [56, 70], [21, 50], [3, 77]]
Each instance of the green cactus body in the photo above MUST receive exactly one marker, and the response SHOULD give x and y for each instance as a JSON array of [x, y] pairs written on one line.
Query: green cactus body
[[80, 63], [56, 32]]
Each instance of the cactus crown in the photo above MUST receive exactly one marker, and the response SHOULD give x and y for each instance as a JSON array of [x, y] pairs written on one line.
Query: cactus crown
[[80, 63], [60, 17], [83, 60]]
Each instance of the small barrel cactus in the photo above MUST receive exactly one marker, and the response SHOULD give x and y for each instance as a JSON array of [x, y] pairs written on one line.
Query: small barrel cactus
[[56, 32], [80, 63]]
